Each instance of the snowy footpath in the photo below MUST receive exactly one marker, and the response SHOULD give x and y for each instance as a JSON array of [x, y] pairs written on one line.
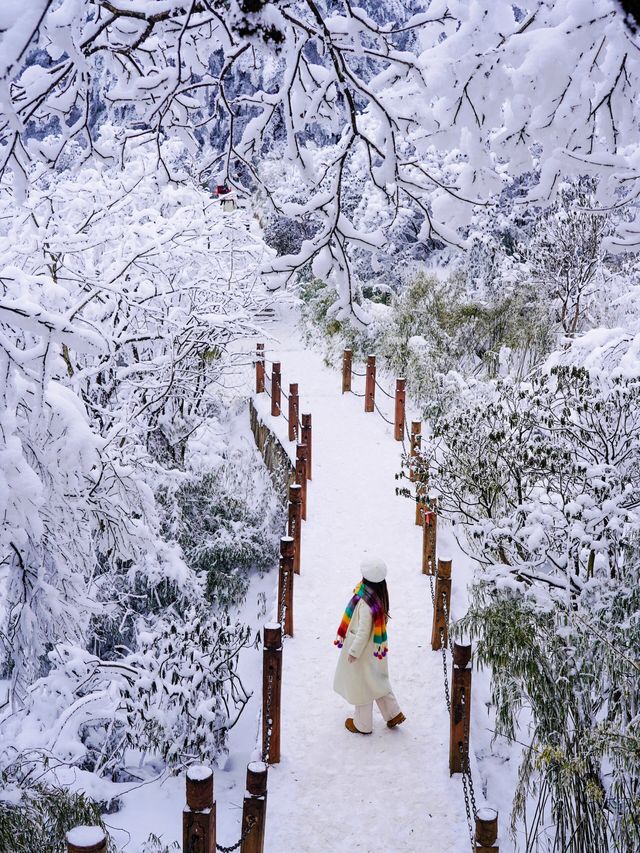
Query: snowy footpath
[[334, 791]]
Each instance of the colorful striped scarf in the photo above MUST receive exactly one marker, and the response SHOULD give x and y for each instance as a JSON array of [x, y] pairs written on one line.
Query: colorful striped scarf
[[379, 620]]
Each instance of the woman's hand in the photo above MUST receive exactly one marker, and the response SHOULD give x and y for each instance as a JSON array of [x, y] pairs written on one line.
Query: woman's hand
[[351, 659]]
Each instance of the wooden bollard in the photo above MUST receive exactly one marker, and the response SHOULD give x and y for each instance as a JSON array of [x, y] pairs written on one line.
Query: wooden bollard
[[416, 441], [259, 368], [275, 388], [86, 839], [294, 407], [301, 475], [398, 428], [285, 582], [271, 692], [443, 588], [199, 815], [294, 526], [429, 536], [254, 809], [370, 384], [306, 439], [347, 358], [486, 830], [460, 715]]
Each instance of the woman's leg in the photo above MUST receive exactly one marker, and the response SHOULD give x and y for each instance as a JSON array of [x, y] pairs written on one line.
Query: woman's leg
[[388, 706], [363, 717]]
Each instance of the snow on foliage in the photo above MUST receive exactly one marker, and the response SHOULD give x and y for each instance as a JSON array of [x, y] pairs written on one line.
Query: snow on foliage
[[347, 96]]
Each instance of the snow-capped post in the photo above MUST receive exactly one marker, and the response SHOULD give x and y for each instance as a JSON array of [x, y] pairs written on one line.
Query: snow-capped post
[[416, 441], [440, 631], [460, 715], [347, 357], [254, 809], [271, 692], [86, 839], [199, 815], [294, 407], [259, 368], [306, 440], [398, 429], [275, 388], [294, 526], [301, 475], [486, 830], [370, 384], [285, 584], [429, 535]]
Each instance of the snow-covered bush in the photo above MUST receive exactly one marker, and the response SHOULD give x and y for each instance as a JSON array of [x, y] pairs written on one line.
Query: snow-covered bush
[[542, 482]]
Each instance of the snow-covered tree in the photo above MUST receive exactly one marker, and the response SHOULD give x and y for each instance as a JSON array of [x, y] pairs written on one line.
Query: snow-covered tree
[[344, 96]]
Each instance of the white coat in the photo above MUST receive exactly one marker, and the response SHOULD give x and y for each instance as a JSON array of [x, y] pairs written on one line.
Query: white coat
[[367, 678]]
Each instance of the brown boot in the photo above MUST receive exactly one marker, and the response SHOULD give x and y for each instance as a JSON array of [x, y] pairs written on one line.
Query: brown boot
[[395, 721], [349, 724]]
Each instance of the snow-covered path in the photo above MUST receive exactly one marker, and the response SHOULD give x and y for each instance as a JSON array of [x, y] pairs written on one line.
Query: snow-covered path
[[335, 791]]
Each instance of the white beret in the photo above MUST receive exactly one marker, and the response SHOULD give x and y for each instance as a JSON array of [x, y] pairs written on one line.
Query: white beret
[[373, 569]]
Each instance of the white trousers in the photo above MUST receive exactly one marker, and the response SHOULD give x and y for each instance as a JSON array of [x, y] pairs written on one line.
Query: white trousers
[[363, 714]]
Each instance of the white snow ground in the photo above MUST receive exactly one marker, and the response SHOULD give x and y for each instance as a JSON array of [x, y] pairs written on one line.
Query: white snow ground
[[334, 791]]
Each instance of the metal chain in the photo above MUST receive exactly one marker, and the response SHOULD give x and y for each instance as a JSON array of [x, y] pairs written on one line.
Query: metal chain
[[391, 423], [355, 373], [467, 779], [267, 749], [247, 832], [390, 396], [355, 393], [283, 598], [445, 670]]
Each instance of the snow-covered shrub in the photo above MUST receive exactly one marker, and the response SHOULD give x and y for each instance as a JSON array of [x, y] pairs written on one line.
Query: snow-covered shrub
[[542, 482], [35, 817], [227, 523]]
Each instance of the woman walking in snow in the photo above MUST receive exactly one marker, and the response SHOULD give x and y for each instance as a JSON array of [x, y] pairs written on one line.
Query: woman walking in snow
[[362, 674]]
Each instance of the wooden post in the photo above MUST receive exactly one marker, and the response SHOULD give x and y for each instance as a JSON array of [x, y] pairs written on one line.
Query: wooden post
[[460, 716], [486, 831], [301, 475], [421, 500], [443, 589], [285, 582], [271, 692], [306, 440], [370, 384], [429, 533], [86, 839], [259, 368], [347, 357], [416, 441], [254, 809], [294, 406], [294, 527], [275, 388], [199, 815], [398, 429]]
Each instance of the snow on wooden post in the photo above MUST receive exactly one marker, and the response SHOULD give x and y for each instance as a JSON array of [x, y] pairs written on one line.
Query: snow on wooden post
[[275, 388], [486, 830], [86, 839], [370, 384], [259, 368], [416, 440], [347, 357], [301, 475], [285, 585], [271, 692], [306, 440], [294, 527], [440, 630], [460, 716], [199, 815], [254, 810], [294, 406], [429, 535], [398, 428]]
